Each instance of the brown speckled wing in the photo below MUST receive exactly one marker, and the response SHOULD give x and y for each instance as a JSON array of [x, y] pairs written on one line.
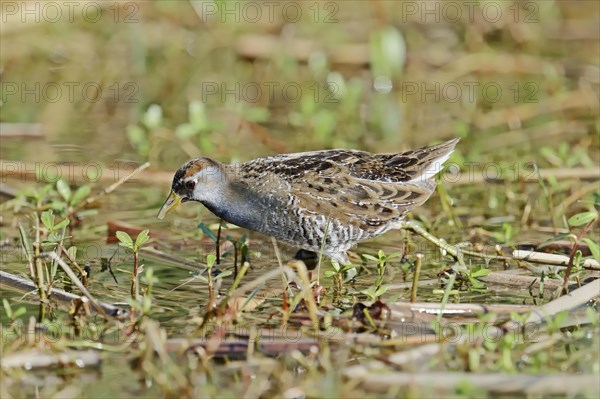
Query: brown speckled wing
[[366, 204], [399, 167], [356, 187]]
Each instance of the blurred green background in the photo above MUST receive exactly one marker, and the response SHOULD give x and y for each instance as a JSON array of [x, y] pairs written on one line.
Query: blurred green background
[[168, 80]]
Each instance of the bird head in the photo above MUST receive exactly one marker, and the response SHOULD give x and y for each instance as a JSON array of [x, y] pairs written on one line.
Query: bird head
[[200, 179]]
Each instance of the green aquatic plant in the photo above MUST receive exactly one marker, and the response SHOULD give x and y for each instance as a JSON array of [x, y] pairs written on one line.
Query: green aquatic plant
[[585, 220], [377, 289], [143, 304], [339, 273], [126, 241]]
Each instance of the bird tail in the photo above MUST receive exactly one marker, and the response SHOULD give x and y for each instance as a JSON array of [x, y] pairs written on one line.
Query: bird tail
[[431, 159]]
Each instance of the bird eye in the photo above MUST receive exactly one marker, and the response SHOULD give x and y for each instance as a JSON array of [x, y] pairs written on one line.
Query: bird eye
[[190, 185]]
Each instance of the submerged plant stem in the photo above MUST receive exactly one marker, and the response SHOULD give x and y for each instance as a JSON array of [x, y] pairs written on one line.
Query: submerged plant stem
[[79, 269], [452, 250], [574, 251], [27, 251], [322, 249], [447, 291], [286, 285], [134, 284], [76, 281], [413, 290], [39, 268]]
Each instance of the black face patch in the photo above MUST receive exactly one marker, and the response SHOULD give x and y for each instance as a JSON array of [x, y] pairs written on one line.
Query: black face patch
[[177, 184], [177, 179]]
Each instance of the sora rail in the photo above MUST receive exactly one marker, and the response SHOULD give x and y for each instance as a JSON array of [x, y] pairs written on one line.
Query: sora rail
[[340, 196]]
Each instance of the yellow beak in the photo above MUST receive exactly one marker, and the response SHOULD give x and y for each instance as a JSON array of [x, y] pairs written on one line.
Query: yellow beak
[[173, 200]]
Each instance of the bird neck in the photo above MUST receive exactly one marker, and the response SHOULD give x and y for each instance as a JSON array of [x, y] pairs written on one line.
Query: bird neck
[[239, 206]]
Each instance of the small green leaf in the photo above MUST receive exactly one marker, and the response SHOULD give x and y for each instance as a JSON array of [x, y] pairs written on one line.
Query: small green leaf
[[125, 239], [381, 290], [149, 276], [63, 189], [582, 218], [592, 315], [204, 228], [81, 193], [370, 292], [210, 260], [136, 305], [48, 219], [394, 255], [61, 224], [329, 273], [25, 243], [370, 257], [19, 312], [347, 267], [146, 304], [335, 265], [480, 273], [58, 206], [142, 238], [224, 274], [476, 284], [594, 248], [577, 258], [72, 251], [558, 237], [7, 308], [53, 238]]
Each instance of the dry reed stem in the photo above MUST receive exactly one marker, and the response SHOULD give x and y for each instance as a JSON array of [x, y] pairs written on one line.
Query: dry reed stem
[[552, 259], [77, 283]]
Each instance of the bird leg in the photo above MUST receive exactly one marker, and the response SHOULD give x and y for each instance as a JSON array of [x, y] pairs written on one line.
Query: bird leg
[[218, 242]]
